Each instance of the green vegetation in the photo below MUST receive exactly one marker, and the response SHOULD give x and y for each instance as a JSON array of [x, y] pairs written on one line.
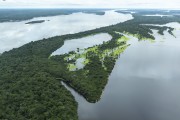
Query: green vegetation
[[99, 62], [35, 22], [7, 15], [162, 29], [30, 80], [28, 90]]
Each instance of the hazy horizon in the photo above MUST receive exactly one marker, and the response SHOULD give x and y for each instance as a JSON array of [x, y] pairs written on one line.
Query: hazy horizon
[[90, 8], [124, 4]]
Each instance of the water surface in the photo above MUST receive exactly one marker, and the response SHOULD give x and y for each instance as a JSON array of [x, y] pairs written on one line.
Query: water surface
[[15, 34], [82, 43], [144, 84]]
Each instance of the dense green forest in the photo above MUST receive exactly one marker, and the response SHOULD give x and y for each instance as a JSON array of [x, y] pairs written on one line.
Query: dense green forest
[[99, 61], [30, 80], [7, 15]]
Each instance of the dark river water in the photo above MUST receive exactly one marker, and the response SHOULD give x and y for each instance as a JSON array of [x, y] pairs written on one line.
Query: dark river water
[[144, 84]]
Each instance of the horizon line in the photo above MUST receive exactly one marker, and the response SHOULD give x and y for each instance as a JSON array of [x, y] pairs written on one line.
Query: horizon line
[[86, 8]]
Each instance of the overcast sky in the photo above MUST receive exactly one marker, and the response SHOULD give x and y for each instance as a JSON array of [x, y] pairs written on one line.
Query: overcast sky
[[91, 3]]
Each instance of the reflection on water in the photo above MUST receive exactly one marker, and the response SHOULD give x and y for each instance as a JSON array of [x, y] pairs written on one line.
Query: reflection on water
[[15, 34], [82, 43], [160, 15], [144, 84], [79, 63]]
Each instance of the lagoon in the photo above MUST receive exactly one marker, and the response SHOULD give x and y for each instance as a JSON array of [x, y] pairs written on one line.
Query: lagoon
[[82, 43]]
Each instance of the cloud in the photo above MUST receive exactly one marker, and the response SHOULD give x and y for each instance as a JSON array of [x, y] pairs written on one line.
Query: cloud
[[92, 3]]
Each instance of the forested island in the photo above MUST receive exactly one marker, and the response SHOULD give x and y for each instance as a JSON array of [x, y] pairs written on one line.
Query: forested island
[[30, 78], [35, 22]]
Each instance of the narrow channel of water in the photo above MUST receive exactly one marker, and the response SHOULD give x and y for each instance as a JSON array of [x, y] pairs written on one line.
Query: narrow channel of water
[[144, 84]]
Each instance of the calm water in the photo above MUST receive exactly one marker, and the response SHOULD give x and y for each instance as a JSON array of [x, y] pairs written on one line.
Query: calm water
[[16, 34], [144, 84], [82, 43]]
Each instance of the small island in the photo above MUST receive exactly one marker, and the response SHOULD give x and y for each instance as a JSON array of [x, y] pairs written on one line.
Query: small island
[[35, 22]]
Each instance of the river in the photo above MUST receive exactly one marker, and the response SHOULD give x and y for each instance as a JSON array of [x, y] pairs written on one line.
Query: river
[[16, 34], [144, 84]]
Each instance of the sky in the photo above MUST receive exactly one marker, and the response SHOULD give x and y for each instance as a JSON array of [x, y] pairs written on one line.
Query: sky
[[175, 4]]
